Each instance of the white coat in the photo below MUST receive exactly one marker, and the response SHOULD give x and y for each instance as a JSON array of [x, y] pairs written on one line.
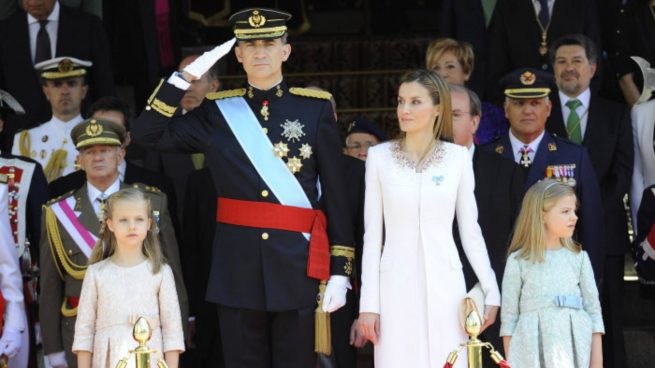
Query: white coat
[[415, 282]]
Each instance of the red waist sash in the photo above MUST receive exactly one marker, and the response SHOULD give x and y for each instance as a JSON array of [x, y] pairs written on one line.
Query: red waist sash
[[281, 217]]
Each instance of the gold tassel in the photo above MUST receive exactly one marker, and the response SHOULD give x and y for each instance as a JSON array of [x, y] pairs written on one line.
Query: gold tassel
[[322, 334]]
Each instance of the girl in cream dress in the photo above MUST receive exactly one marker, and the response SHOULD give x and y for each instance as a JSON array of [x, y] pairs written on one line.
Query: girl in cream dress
[[412, 279], [127, 279]]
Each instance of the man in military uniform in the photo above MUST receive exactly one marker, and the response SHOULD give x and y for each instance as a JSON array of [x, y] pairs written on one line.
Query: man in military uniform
[[268, 147], [71, 224], [49, 144], [28, 192], [542, 155]]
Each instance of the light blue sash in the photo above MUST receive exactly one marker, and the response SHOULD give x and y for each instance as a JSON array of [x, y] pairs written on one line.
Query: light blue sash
[[259, 149]]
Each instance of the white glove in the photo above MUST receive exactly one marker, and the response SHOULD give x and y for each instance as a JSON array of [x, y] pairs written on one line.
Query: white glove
[[335, 293], [10, 342], [57, 360], [202, 64]]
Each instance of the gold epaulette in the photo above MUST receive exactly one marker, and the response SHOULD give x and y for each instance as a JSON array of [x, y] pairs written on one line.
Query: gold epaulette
[[59, 198], [147, 188], [306, 92], [24, 143], [238, 92]]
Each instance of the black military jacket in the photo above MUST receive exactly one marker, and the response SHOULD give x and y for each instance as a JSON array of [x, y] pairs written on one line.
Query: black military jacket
[[258, 268]]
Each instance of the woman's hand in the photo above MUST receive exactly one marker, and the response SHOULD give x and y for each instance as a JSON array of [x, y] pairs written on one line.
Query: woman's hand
[[369, 324], [357, 338], [490, 313]]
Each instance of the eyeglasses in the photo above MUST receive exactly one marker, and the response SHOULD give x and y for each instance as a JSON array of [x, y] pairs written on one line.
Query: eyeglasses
[[460, 114], [358, 146]]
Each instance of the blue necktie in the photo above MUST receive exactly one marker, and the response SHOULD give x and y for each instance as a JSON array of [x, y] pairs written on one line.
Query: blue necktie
[[544, 16]]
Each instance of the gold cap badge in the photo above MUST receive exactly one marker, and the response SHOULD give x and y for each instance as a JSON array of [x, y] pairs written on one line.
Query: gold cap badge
[[528, 78]]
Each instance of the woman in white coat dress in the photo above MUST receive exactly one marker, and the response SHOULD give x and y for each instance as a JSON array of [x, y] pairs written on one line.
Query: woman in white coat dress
[[412, 286]]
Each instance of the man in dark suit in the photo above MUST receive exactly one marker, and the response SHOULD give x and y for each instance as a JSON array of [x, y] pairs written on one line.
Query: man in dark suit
[[468, 21], [542, 155], [499, 186], [265, 273], [521, 31], [199, 213], [46, 30], [603, 127]]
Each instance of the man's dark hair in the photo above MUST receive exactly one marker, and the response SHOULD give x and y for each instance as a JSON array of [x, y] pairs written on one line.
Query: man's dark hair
[[111, 103], [581, 40]]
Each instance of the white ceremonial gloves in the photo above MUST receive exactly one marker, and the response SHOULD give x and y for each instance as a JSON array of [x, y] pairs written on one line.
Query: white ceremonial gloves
[[335, 293], [10, 342], [57, 360]]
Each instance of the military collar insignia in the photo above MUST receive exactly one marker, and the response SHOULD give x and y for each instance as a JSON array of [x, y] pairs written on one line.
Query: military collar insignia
[[500, 149], [292, 130], [552, 147]]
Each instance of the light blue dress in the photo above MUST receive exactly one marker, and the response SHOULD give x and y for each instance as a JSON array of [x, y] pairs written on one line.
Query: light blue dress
[[539, 310]]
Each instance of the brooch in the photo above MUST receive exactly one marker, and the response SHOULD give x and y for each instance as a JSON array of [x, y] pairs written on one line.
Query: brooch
[[437, 179]]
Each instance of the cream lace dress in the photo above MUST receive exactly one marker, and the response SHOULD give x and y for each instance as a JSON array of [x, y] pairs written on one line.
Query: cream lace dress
[[112, 298]]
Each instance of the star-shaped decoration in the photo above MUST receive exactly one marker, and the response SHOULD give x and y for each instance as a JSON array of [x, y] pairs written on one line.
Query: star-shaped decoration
[[281, 149], [306, 151], [294, 164], [292, 130]]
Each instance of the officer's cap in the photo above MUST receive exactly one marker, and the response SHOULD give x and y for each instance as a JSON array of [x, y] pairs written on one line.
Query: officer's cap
[[97, 131], [526, 83], [363, 125], [259, 24], [62, 67]]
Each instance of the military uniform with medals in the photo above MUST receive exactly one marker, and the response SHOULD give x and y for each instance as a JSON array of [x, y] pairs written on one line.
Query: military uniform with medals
[[259, 273], [50, 143], [64, 251], [556, 158]]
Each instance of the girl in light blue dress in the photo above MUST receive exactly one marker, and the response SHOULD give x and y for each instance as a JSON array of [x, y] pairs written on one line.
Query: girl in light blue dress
[[550, 314]]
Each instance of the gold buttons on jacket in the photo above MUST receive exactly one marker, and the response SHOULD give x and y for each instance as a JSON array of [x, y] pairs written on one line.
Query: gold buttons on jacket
[[265, 236], [264, 193], [265, 130]]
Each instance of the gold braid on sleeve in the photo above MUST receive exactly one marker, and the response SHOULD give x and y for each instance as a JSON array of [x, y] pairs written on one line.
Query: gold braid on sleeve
[[57, 248]]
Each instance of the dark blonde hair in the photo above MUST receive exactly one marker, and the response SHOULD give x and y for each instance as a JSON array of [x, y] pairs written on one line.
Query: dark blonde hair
[[440, 95], [463, 51], [530, 233], [106, 245]]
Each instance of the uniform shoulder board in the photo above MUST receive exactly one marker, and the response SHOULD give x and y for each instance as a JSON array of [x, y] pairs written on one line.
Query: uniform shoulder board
[[57, 199], [306, 92], [147, 188], [226, 94]]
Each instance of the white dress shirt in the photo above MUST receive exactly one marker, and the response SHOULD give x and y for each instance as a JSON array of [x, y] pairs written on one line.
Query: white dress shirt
[[52, 27], [517, 145], [583, 109], [95, 193]]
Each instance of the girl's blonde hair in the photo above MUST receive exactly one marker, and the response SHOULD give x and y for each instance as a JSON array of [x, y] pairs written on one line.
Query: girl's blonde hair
[[530, 233], [440, 94], [106, 245]]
